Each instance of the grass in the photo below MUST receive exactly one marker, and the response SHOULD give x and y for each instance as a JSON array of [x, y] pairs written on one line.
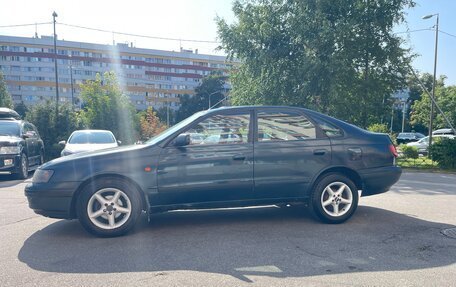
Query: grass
[[419, 163]]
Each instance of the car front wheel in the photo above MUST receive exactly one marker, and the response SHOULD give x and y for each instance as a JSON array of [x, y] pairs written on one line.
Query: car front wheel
[[334, 198], [109, 207], [23, 168]]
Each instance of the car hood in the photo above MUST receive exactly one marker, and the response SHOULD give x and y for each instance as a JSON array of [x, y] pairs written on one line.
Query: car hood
[[9, 140], [75, 148], [91, 154]]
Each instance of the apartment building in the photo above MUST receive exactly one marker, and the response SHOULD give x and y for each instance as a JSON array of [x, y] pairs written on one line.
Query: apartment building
[[149, 77]]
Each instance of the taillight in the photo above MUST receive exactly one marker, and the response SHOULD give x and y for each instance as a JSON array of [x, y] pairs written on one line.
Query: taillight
[[393, 150]]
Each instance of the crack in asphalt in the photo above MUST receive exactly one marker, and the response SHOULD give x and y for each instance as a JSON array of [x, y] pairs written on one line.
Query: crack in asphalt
[[20, 220]]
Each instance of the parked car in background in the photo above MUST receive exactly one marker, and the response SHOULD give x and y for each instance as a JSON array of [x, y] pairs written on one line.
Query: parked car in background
[[88, 140], [443, 132], [403, 138], [21, 147], [423, 144], [306, 157]]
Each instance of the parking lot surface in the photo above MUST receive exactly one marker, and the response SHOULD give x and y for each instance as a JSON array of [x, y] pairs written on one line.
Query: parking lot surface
[[394, 239]]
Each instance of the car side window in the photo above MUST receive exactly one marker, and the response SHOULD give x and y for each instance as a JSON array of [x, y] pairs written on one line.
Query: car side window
[[221, 129], [35, 130], [28, 128], [284, 126], [329, 129]]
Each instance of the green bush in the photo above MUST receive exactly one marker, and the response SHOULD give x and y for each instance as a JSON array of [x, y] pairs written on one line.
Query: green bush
[[378, 128], [409, 151], [443, 151]]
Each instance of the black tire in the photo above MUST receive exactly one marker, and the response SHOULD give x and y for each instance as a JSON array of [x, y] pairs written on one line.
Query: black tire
[[24, 165], [316, 199], [41, 158], [89, 190]]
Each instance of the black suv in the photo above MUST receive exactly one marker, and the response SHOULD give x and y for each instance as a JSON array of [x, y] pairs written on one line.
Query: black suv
[[21, 148]]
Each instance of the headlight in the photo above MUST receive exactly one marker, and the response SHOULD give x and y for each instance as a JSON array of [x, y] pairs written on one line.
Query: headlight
[[42, 175], [10, 150]]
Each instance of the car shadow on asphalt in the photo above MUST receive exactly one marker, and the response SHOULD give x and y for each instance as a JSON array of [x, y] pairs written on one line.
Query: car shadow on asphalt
[[8, 180], [267, 241]]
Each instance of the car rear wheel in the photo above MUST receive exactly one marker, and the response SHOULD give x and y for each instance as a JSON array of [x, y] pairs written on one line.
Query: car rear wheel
[[334, 198], [109, 207], [23, 169]]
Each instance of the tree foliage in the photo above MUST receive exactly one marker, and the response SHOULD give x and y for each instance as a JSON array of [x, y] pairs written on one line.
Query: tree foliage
[[443, 151], [210, 87], [445, 98], [53, 129], [107, 107], [150, 124], [5, 98], [338, 57]]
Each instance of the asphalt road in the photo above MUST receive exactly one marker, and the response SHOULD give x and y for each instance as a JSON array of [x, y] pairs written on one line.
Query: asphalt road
[[394, 239]]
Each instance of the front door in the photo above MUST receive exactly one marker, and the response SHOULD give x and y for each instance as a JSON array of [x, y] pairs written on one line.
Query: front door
[[216, 166], [289, 152]]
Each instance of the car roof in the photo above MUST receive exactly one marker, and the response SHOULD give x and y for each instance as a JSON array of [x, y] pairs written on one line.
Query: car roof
[[92, 131], [6, 113]]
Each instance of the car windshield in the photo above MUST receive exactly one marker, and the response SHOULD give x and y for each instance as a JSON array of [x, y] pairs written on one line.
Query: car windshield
[[405, 135], [9, 128], [174, 128], [91, 138]]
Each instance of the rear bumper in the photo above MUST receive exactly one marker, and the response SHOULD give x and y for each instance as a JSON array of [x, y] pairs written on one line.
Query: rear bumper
[[54, 203], [380, 179]]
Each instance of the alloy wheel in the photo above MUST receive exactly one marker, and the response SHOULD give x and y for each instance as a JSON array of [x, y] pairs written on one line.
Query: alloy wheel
[[109, 208], [336, 199]]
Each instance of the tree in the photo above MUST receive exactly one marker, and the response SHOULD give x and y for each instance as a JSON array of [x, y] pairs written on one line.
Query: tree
[[5, 98], [52, 129], [21, 109], [445, 98], [415, 94], [107, 107], [338, 57], [210, 90], [164, 113], [150, 124]]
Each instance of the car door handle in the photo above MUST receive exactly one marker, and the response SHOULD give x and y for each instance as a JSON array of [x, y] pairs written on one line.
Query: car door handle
[[239, 157], [319, 151]]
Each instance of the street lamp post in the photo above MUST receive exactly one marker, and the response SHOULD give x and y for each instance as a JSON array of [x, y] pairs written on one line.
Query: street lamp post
[[71, 82], [56, 71], [431, 118], [210, 97]]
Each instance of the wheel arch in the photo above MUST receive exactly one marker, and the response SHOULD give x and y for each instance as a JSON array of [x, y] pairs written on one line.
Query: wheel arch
[[77, 193], [348, 172]]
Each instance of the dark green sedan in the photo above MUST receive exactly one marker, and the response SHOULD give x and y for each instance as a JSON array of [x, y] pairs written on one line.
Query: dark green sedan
[[226, 157]]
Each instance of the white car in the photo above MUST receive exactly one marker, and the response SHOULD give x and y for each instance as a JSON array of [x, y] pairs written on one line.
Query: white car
[[88, 140], [423, 144]]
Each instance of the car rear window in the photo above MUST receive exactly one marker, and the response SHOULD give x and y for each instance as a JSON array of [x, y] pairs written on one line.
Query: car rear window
[[91, 138], [329, 129]]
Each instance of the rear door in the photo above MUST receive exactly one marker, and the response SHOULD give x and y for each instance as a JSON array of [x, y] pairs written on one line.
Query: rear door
[[289, 150]]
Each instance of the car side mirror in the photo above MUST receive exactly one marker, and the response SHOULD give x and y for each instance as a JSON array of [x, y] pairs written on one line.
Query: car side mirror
[[28, 135], [182, 140], [62, 142], [119, 142]]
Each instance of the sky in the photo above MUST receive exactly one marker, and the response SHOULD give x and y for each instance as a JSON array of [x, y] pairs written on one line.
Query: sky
[[195, 20]]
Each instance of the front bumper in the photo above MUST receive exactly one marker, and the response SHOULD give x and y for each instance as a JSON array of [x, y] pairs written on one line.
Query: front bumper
[[14, 167], [380, 179], [51, 201]]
